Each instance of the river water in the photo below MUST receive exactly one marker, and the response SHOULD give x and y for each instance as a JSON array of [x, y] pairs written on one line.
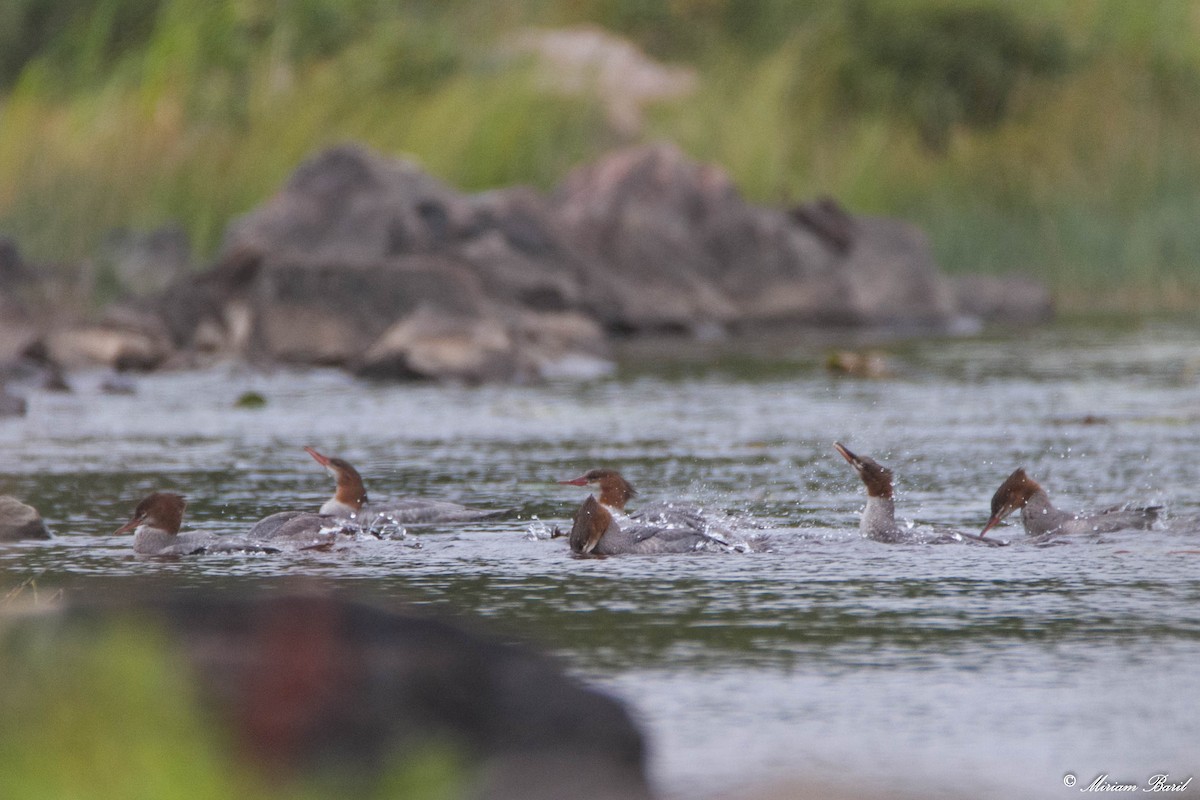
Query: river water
[[946, 671]]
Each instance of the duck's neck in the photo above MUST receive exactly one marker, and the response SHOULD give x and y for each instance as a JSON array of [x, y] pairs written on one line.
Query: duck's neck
[[338, 507], [150, 539], [879, 517]]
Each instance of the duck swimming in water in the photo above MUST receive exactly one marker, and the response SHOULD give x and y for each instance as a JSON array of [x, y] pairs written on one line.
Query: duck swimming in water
[[155, 525], [879, 517], [614, 492], [351, 511], [656, 528], [1041, 518]]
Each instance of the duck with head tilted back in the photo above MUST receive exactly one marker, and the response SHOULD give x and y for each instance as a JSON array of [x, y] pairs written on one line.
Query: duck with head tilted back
[[878, 521], [350, 510], [1041, 518]]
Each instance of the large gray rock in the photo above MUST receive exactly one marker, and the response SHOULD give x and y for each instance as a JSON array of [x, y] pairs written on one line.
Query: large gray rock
[[20, 521], [147, 262], [683, 250], [369, 263], [1012, 299]]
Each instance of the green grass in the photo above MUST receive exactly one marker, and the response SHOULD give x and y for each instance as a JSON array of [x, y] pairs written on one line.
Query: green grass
[[1054, 138]]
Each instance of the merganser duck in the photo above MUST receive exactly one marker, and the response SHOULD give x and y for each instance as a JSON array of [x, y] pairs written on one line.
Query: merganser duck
[[155, 526], [615, 492], [879, 517], [350, 499], [595, 531], [350, 510], [1041, 517], [661, 527]]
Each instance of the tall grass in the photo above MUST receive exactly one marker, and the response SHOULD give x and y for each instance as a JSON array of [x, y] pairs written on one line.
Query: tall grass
[[1069, 153]]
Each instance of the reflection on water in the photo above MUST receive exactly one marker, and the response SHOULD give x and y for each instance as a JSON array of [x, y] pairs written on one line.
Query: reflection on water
[[963, 670]]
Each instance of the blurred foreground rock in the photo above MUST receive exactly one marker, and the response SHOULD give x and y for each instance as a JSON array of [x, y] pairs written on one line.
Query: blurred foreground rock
[[311, 688], [368, 263]]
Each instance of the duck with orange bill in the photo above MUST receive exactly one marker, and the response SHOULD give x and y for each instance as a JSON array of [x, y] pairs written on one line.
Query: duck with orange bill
[[155, 526], [601, 528], [350, 510], [878, 521], [614, 492], [1041, 518]]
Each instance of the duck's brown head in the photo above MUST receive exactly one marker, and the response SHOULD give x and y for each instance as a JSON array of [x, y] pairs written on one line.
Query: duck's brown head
[[350, 489], [1012, 494], [162, 510], [876, 477], [591, 521], [615, 491]]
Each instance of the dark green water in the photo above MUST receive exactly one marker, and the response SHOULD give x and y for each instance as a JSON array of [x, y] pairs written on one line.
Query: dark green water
[[965, 671]]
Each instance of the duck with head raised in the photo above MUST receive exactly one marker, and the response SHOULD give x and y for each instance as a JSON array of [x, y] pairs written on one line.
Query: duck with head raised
[[657, 528], [1042, 518], [350, 510], [878, 520]]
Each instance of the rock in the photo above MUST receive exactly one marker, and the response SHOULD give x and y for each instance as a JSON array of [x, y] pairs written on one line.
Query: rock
[[355, 259], [147, 262], [684, 252], [13, 271], [20, 521], [118, 384], [1007, 299], [525, 347], [127, 339], [430, 344], [320, 312], [827, 219], [349, 204], [859, 364], [521, 252], [11, 405], [565, 345], [317, 689], [890, 278]]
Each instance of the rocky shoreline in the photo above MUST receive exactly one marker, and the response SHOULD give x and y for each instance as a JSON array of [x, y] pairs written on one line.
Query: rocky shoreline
[[367, 263]]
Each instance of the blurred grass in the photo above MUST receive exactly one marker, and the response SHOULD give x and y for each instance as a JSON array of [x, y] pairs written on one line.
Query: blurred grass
[[1056, 138]]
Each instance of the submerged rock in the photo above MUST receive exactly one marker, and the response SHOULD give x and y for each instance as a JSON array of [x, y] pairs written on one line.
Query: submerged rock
[[20, 521]]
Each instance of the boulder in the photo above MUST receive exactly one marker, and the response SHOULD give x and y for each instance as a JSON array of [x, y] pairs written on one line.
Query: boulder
[[20, 521], [683, 251], [318, 311], [350, 204], [315, 691], [357, 256], [146, 262], [1013, 299], [126, 338], [520, 348], [431, 344], [10, 404]]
